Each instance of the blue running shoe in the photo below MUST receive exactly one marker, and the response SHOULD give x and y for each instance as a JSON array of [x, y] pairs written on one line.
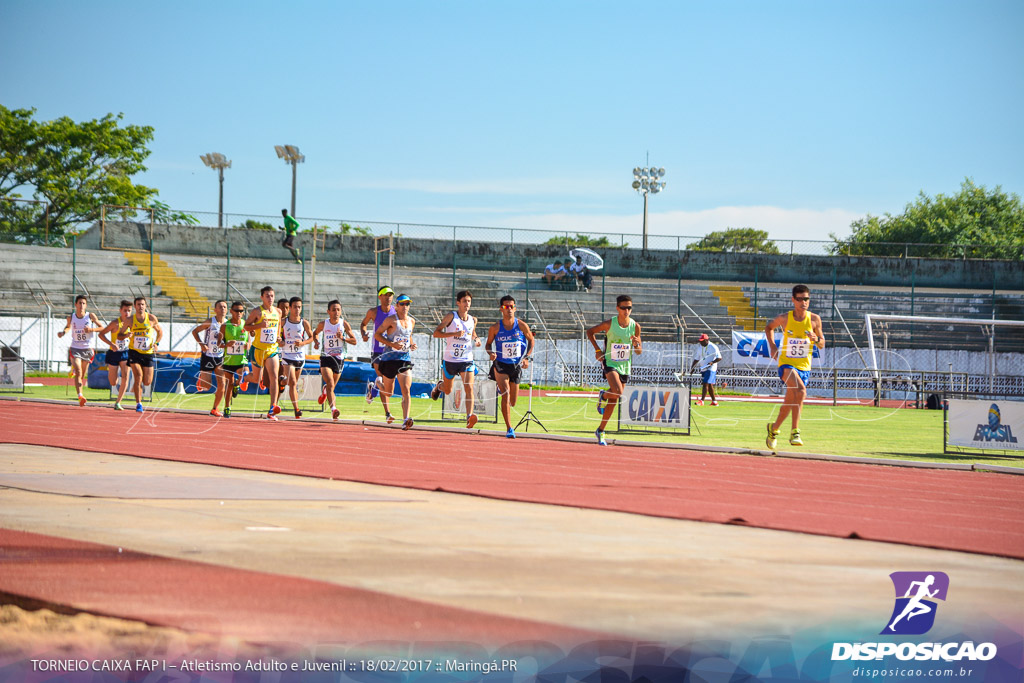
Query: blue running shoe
[[600, 438], [139, 408], [510, 434], [600, 403]]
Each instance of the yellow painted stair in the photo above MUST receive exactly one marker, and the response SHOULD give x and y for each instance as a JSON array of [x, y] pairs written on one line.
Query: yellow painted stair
[[171, 284], [732, 298]]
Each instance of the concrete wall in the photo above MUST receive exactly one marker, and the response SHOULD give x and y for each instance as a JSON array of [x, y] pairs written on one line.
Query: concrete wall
[[434, 253]]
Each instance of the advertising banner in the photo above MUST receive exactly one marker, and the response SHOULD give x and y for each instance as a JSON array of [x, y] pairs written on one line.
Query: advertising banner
[[12, 375], [986, 424], [655, 407], [485, 392], [751, 348]]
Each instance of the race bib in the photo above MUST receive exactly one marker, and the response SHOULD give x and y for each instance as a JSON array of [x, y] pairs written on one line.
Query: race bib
[[332, 343], [268, 335], [289, 347], [141, 343], [81, 336], [510, 349], [122, 344], [620, 352], [459, 347], [798, 348], [236, 348]]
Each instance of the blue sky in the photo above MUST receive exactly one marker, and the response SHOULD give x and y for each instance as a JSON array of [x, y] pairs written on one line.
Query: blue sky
[[795, 117]]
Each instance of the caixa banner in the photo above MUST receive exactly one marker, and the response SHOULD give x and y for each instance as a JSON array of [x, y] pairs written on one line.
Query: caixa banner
[[994, 425], [751, 348], [655, 407]]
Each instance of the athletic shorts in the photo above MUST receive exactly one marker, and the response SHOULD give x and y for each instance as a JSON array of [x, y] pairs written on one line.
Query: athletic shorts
[[116, 357], [210, 363], [623, 378], [82, 354], [805, 375], [332, 363], [288, 241], [294, 363], [260, 356], [708, 376], [144, 360], [452, 370], [510, 369], [391, 368], [231, 369]]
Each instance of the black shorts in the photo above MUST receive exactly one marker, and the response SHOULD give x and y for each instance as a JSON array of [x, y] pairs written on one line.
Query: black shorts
[[452, 370], [114, 358], [391, 368], [288, 241], [332, 363], [510, 369], [294, 363], [231, 369], [210, 363], [144, 360], [623, 378]]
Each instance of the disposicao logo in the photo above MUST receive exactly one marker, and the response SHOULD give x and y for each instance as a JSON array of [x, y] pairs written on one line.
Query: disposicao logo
[[995, 430]]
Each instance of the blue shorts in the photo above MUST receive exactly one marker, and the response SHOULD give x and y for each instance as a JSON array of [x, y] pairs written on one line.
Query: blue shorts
[[805, 375], [708, 376], [115, 358]]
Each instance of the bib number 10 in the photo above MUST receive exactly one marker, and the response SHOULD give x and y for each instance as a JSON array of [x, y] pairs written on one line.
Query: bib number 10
[[620, 352]]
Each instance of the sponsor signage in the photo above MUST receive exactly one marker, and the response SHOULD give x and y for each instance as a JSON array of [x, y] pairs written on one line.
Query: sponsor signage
[[987, 424], [485, 392], [12, 375], [751, 348], [655, 407]]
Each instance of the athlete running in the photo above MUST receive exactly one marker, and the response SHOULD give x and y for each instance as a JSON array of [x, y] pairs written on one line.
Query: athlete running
[[265, 323], [212, 356], [458, 329], [146, 336], [337, 333], [395, 335], [514, 352], [377, 315], [296, 335], [282, 377], [622, 340], [120, 331], [234, 341], [83, 326], [801, 330], [915, 606]]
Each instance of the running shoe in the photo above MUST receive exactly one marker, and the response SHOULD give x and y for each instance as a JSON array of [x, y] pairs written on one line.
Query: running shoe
[[81, 400], [276, 409], [281, 382], [471, 420], [227, 412], [298, 414], [714, 403], [216, 413], [700, 401], [271, 416], [771, 442], [600, 403], [435, 393], [794, 438], [369, 391], [242, 386], [323, 395], [510, 434], [407, 425], [389, 417], [139, 408], [263, 387], [335, 413], [600, 437], [234, 391], [117, 406]]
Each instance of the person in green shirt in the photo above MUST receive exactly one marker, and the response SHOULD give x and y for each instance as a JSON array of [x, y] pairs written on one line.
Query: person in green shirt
[[235, 341], [291, 226], [622, 340]]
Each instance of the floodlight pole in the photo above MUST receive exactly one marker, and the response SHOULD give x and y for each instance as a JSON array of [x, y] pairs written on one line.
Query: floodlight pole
[[646, 181], [294, 167], [645, 221], [219, 162], [220, 203]]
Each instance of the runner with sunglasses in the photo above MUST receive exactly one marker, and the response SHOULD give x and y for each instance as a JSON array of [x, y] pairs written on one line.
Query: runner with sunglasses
[[395, 335], [800, 330], [622, 340], [514, 352], [235, 341]]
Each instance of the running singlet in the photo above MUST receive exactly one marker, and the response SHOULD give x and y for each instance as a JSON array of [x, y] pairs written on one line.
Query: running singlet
[[400, 335], [796, 349], [123, 336], [236, 338], [618, 347], [80, 339], [378, 320], [266, 337], [459, 349], [334, 345], [211, 339], [510, 344], [142, 336], [293, 333]]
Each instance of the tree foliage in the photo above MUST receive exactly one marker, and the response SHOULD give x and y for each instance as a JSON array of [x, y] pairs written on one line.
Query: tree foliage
[[582, 241], [250, 224], [162, 213], [736, 240], [69, 168], [973, 223]]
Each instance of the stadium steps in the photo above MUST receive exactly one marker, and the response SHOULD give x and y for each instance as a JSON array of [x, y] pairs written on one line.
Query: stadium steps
[[734, 300], [170, 283]]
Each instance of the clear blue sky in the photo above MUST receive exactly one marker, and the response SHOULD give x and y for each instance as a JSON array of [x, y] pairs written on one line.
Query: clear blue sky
[[791, 116]]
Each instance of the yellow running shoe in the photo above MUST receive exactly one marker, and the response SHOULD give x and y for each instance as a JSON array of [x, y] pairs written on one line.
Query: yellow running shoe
[[771, 441], [794, 438]]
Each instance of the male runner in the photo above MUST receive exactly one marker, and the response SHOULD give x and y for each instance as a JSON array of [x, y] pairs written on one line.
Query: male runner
[[377, 314], [265, 323], [234, 341], [296, 334], [622, 340], [83, 326], [291, 226], [337, 333], [395, 335], [282, 378], [145, 327], [800, 329], [706, 359], [212, 356], [515, 351], [458, 329], [120, 330]]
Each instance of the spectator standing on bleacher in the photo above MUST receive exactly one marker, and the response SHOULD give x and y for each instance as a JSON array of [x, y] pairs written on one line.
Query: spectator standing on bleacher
[[581, 273], [291, 226]]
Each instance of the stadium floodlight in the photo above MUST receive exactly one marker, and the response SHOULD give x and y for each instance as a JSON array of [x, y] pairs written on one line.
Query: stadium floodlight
[[291, 155], [219, 162], [647, 181]]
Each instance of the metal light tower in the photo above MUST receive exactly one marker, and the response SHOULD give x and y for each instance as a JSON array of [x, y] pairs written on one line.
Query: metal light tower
[[647, 181], [291, 155], [220, 162]]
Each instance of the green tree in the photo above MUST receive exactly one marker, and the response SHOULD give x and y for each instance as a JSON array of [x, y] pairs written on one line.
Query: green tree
[[250, 224], [347, 229], [974, 223], [738, 240], [162, 213], [581, 240], [70, 168]]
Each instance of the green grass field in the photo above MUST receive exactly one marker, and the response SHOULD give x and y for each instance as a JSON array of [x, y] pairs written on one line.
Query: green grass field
[[843, 430]]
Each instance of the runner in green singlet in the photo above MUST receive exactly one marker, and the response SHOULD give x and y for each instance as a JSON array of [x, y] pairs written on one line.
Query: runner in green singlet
[[622, 340]]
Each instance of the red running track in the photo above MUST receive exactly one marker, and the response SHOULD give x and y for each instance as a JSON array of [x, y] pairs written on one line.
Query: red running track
[[956, 510]]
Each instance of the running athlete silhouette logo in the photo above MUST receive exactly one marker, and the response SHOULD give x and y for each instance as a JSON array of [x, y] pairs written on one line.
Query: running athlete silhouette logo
[[916, 592]]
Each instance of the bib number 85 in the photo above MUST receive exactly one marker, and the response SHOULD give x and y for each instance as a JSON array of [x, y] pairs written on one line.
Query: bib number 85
[[798, 348]]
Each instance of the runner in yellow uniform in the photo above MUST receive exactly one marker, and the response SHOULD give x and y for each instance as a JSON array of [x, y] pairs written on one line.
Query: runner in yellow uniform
[[265, 324], [801, 331], [146, 336]]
